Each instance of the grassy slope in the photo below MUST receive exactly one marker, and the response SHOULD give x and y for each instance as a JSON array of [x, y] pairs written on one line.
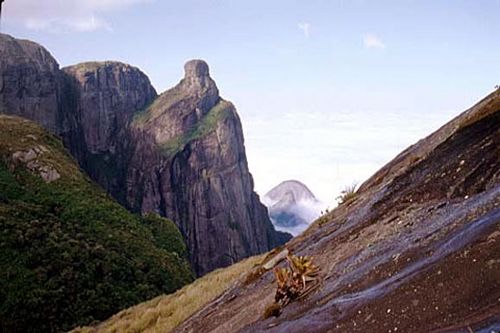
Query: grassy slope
[[164, 313], [69, 254], [163, 102]]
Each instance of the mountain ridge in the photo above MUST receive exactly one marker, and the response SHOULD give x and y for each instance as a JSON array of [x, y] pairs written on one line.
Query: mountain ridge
[[153, 153]]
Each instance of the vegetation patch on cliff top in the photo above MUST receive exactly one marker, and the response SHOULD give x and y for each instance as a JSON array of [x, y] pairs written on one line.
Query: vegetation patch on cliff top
[[90, 66], [204, 127], [69, 254], [165, 101]]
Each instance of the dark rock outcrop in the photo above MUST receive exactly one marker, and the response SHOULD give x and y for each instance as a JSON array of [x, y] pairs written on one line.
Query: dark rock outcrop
[[197, 173], [180, 154], [30, 82], [416, 250], [105, 96], [109, 93]]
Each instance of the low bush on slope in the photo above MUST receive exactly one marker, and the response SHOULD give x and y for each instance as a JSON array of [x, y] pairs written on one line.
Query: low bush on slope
[[70, 255]]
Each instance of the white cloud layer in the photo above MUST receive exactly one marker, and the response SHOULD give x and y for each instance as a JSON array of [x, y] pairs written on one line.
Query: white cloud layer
[[64, 15], [305, 28], [373, 41]]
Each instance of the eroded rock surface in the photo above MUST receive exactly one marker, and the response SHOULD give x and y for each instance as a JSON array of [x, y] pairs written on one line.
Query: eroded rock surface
[[109, 93], [32, 160], [417, 250]]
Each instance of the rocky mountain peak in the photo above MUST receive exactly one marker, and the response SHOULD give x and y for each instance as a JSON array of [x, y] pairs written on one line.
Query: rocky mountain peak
[[291, 189], [190, 165], [15, 51], [180, 108], [292, 206], [198, 83], [109, 93], [196, 68]]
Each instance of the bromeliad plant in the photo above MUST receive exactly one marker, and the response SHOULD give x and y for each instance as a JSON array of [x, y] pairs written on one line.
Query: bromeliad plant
[[297, 280], [303, 269]]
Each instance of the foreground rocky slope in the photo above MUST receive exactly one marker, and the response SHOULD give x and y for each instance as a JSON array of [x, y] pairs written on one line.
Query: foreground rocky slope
[[69, 254], [180, 154], [417, 250]]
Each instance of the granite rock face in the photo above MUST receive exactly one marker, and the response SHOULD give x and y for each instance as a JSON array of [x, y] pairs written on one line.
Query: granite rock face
[[199, 175], [180, 154], [29, 82], [109, 93], [105, 96]]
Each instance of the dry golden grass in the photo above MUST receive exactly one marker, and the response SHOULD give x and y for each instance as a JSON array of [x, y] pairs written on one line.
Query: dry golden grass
[[164, 313]]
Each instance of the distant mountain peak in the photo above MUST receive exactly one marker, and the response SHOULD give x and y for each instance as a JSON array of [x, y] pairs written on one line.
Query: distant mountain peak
[[292, 206], [292, 189]]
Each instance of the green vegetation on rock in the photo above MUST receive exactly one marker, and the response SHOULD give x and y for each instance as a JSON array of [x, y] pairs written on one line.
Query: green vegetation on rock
[[163, 102], [347, 194], [206, 125], [90, 66], [166, 234], [69, 254]]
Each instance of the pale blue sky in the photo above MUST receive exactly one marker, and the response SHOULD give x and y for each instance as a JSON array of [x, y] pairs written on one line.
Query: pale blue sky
[[328, 91]]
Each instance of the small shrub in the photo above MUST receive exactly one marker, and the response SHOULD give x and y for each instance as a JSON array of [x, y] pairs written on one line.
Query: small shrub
[[295, 281], [347, 194]]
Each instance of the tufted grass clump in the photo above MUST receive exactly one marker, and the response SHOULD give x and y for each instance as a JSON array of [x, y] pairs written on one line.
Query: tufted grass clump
[[347, 194]]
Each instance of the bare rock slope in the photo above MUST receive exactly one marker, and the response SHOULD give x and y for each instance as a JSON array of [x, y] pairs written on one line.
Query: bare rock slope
[[417, 249]]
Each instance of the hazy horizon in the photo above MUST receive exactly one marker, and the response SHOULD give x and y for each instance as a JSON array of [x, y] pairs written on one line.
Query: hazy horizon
[[328, 92]]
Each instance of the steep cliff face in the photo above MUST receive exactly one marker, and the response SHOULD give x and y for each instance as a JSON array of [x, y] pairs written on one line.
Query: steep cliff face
[[199, 174], [29, 82], [109, 93], [105, 96], [180, 154]]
